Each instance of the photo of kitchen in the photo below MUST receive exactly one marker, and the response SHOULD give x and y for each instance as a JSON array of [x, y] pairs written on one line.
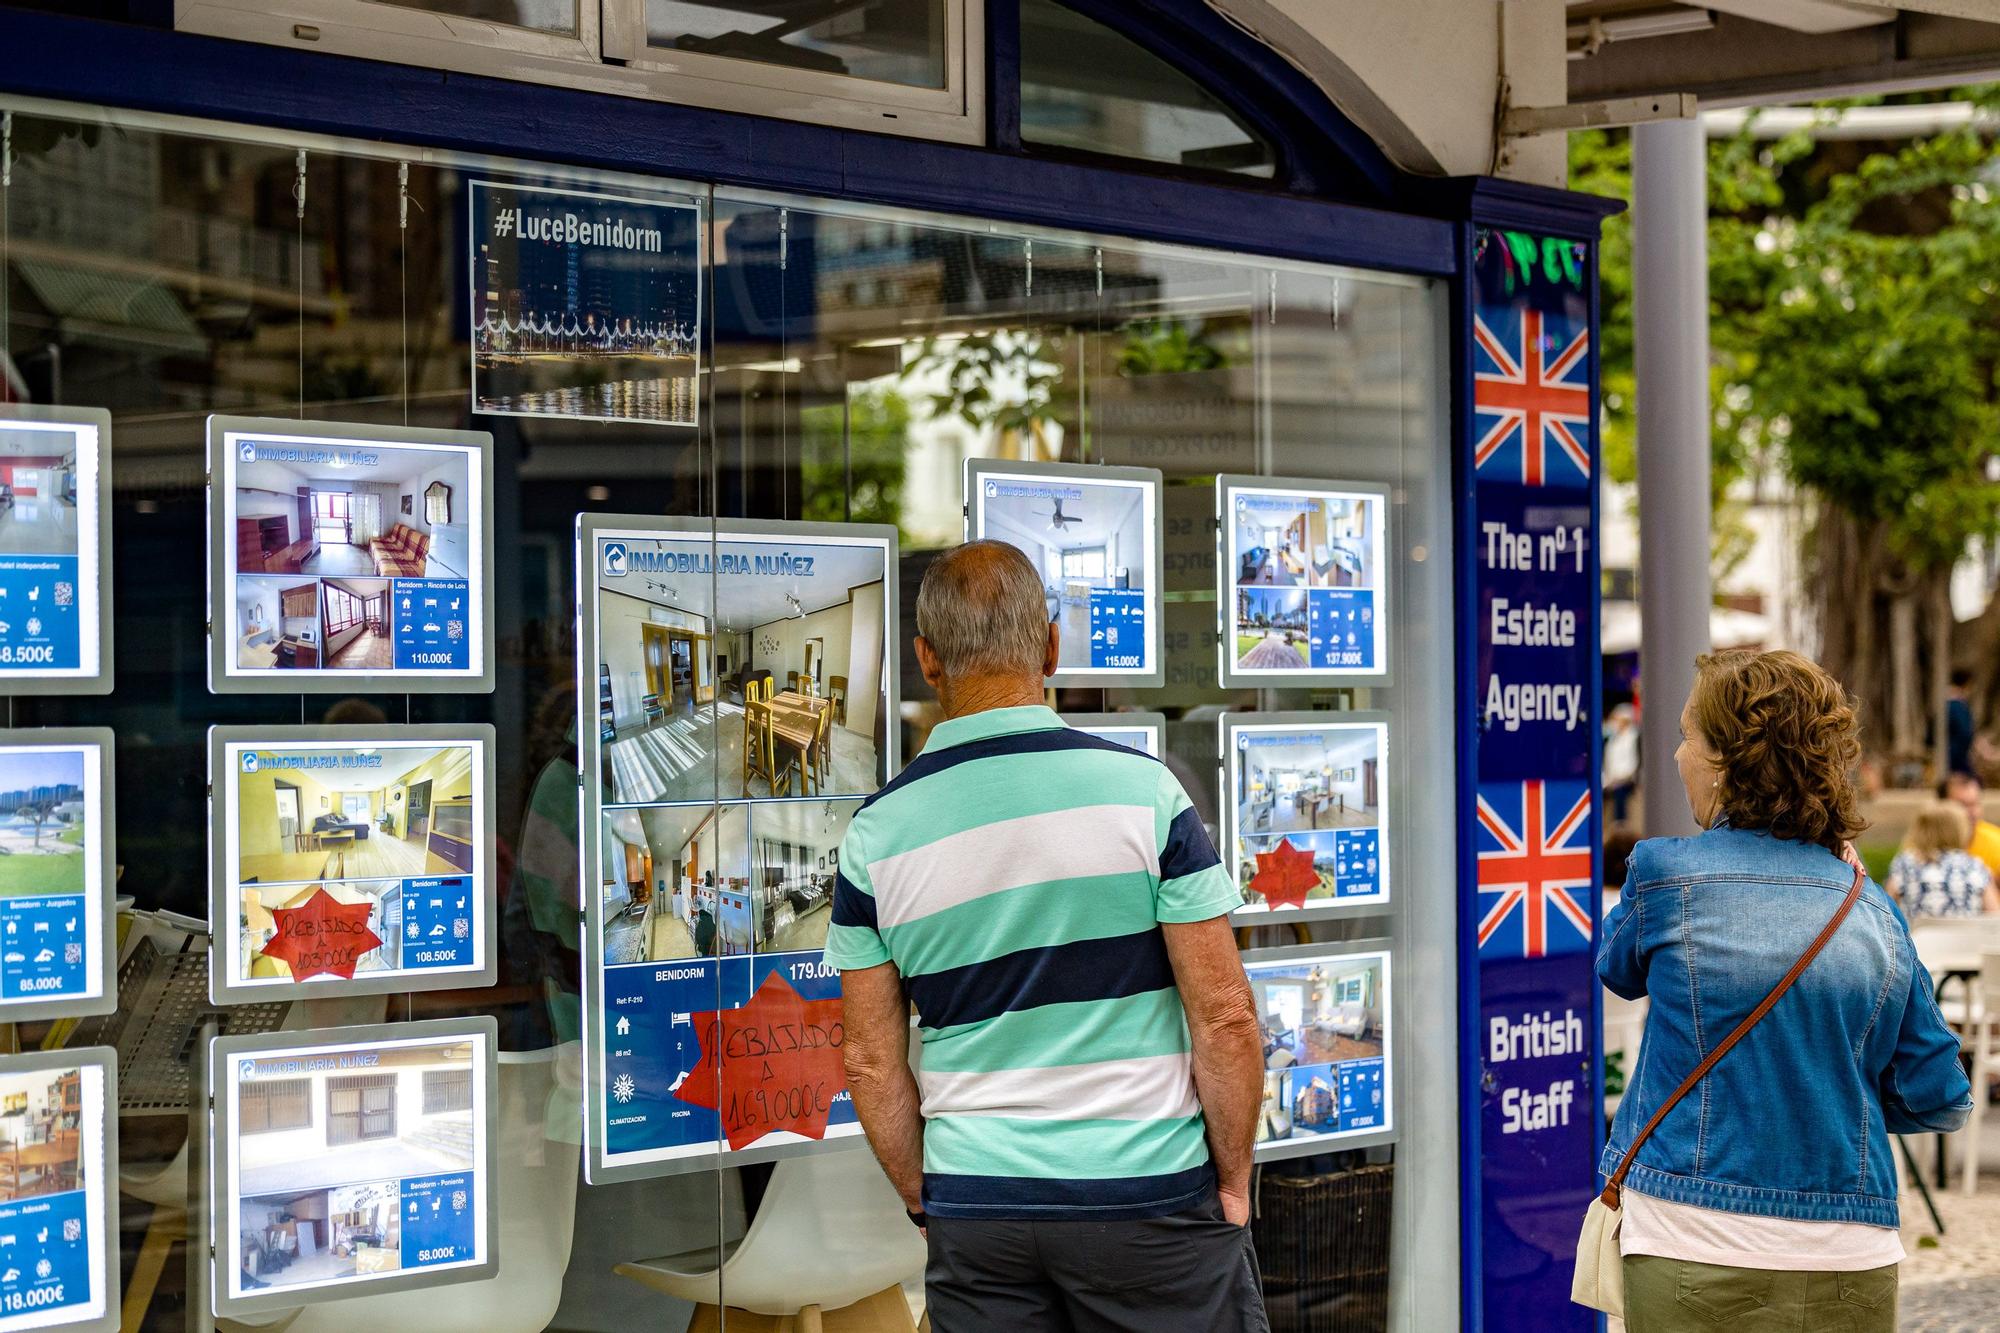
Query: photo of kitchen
[[277, 623], [363, 812], [1085, 537], [778, 691], [1298, 780], [38, 474], [1319, 1011], [258, 927], [675, 883], [372, 510], [41, 1120], [320, 1155]]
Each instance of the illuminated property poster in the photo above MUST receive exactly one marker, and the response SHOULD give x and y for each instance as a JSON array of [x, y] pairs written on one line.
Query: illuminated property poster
[[1304, 580], [55, 549], [350, 860], [1328, 1079], [59, 1197], [351, 1161], [346, 557], [739, 704], [1306, 805], [585, 305], [56, 873]]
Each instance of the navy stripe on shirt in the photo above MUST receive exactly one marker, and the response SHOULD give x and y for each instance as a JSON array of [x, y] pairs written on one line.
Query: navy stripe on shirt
[[1082, 970], [852, 907], [1044, 741], [1113, 1198], [1188, 848]]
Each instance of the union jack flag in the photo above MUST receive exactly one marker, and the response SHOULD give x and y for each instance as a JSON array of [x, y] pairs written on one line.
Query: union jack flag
[[1530, 397], [1536, 885]]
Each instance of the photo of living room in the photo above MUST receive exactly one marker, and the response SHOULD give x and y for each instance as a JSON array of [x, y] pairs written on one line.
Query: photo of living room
[[1271, 629], [383, 897], [1319, 1011], [1295, 780], [38, 475], [1086, 539], [41, 1126], [355, 623], [675, 883], [363, 812], [322, 1148], [1280, 541], [44, 838], [794, 857], [779, 691], [379, 511]]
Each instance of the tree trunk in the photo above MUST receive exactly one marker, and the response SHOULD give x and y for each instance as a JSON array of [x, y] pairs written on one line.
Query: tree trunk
[[1906, 718]]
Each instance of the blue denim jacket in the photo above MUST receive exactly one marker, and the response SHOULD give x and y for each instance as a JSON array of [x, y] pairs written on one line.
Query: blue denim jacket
[[1794, 1122]]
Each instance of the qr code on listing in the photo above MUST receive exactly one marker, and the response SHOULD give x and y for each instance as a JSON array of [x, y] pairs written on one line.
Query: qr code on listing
[[461, 928], [72, 954], [65, 593], [454, 629], [72, 1229]]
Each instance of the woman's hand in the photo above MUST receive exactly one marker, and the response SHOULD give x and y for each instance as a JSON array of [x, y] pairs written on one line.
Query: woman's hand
[[1852, 857]]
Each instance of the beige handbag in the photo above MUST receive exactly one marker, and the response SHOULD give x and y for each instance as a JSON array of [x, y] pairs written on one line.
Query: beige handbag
[[1600, 1269]]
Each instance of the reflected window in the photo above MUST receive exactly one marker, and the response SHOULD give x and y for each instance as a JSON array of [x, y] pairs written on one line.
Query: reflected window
[[539, 15], [1086, 87], [887, 41]]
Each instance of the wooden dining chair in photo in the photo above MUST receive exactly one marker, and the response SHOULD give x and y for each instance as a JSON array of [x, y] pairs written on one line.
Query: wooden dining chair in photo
[[836, 690], [756, 742], [792, 681], [820, 762]]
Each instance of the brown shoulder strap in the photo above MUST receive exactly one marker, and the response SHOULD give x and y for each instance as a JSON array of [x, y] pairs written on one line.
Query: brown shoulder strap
[[1617, 1182]]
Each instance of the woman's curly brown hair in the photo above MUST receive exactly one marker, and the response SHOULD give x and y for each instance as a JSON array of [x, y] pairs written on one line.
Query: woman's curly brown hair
[[1786, 741]]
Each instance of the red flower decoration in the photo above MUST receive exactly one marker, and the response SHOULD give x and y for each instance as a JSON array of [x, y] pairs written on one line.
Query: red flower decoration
[[1285, 875], [324, 936], [780, 1064]]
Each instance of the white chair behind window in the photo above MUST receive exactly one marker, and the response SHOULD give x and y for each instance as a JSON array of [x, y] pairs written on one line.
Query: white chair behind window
[[1983, 1040]]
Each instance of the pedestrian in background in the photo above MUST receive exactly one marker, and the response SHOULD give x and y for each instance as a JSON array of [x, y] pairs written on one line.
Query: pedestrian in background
[[1766, 1197], [1078, 1144], [1967, 792], [1958, 728], [1621, 760], [1934, 875]]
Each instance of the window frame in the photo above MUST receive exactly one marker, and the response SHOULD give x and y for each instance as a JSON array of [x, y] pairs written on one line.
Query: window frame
[[610, 43]]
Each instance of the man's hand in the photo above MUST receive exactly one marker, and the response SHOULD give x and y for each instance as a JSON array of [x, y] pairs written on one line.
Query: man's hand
[[1228, 1049]]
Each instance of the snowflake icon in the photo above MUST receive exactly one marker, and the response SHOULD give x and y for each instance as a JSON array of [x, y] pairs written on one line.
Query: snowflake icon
[[43, 1268], [411, 930], [623, 1089]]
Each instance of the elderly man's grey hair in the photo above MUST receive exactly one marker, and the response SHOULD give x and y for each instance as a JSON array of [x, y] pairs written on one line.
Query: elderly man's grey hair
[[982, 611]]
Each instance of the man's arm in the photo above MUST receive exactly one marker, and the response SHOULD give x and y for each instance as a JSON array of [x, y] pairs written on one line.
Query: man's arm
[[1228, 1049], [876, 1048]]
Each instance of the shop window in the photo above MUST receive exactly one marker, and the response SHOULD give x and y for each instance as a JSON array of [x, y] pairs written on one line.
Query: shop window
[[891, 41], [538, 15], [1087, 88], [266, 1108]]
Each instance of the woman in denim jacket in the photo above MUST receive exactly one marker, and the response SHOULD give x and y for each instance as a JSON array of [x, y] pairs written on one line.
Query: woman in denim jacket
[[1767, 1198]]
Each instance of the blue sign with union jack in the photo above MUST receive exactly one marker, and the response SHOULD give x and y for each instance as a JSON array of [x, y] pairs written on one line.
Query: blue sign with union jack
[[1535, 876], [1531, 396]]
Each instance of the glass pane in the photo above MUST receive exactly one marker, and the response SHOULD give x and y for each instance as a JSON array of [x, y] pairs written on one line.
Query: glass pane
[[1086, 87], [541, 15], [888, 41]]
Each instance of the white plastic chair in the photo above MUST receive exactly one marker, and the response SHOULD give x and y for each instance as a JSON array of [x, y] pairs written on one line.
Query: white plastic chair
[[830, 1232], [1983, 1040], [537, 1197]]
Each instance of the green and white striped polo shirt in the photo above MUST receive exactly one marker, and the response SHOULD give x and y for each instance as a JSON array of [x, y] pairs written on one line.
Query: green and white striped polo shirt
[[1017, 874]]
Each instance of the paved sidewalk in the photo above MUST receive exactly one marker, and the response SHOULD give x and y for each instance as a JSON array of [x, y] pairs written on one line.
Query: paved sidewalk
[[1955, 1284]]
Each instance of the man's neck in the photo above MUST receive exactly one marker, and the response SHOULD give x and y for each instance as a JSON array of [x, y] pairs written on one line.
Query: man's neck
[[983, 694]]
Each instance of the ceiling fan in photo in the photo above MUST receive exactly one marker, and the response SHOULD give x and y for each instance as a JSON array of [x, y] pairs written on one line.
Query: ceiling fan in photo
[[1058, 519]]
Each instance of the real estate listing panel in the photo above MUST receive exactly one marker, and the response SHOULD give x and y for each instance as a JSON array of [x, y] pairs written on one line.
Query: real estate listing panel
[[1325, 1025], [58, 1203], [56, 922], [1303, 573], [55, 623], [1308, 829], [747, 667]]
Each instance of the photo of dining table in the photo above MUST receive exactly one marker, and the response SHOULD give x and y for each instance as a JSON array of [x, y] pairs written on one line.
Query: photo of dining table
[[795, 724]]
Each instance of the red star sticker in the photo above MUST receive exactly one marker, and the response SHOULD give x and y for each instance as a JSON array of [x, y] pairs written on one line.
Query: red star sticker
[[324, 936], [1285, 875], [780, 1066]]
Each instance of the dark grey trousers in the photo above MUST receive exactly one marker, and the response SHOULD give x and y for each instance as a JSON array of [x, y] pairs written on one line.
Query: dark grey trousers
[[1192, 1270]]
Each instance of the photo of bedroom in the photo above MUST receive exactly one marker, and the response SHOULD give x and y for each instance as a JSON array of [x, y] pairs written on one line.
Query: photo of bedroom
[[1300, 780], [373, 511], [41, 1128], [38, 481], [1319, 1011], [742, 669], [360, 812], [325, 1151], [1090, 542], [1271, 629], [383, 897], [794, 858], [44, 841], [675, 883]]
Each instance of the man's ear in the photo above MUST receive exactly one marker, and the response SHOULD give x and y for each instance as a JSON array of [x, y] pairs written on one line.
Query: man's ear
[[1053, 653], [927, 661]]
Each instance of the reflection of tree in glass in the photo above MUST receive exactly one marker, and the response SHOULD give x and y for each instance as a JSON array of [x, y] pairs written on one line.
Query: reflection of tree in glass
[[1169, 347], [1010, 381], [866, 485]]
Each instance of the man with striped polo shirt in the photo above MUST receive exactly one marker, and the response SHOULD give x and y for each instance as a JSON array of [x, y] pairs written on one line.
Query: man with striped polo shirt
[[1078, 1142]]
